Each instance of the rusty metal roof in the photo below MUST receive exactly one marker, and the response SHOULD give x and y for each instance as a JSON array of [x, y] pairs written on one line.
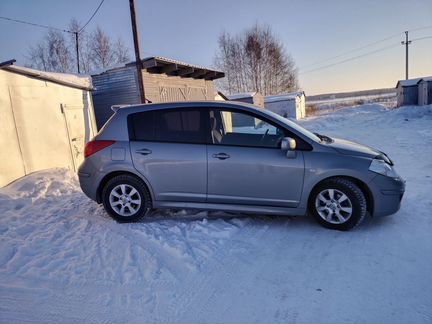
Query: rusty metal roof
[[159, 65]]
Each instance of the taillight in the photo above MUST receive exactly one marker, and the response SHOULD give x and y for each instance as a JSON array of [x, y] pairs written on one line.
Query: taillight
[[95, 146]]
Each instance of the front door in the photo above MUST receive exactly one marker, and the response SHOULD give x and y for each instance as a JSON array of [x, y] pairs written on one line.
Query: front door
[[168, 149], [246, 165]]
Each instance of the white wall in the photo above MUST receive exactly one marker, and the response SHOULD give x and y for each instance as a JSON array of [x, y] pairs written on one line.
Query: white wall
[[35, 132], [293, 108], [423, 93]]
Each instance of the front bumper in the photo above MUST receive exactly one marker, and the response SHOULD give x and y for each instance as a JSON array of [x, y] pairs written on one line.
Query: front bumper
[[387, 194]]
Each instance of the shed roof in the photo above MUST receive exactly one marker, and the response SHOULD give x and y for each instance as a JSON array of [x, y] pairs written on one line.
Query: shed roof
[[71, 80], [409, 82], [427, 79], [284, 97], [241, 95], [159, 64]]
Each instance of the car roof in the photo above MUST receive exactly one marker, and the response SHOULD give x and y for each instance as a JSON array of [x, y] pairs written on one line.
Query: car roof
[[182, 104]]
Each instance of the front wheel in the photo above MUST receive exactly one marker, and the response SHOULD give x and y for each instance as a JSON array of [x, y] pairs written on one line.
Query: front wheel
[[338, 204], [126, 198]]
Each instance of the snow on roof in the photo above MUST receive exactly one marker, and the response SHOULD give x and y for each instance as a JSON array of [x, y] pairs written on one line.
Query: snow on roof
[[241, 95], [73, 80], [283, 97], [409, 82], [427, 79]]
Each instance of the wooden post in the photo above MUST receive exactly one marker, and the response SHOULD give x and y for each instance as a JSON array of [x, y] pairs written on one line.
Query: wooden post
[[137, 51], [77, 51]]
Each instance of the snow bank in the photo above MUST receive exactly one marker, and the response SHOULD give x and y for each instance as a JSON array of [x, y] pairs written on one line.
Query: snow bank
[[64, 260]]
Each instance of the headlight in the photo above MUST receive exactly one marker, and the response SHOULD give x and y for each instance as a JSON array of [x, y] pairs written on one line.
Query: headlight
[[382, 167]]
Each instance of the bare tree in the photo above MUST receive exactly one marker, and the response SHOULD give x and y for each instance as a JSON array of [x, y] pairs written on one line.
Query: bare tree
[[101, 49], [51, 54], [121, 52], [255, 61], [57, 53]]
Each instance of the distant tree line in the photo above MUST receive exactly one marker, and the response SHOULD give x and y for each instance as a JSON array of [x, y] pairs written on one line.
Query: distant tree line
[[255, 60], [56, 51]]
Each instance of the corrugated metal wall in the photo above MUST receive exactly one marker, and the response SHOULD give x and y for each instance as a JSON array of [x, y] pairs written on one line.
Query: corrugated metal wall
[[425, 93], [115, 87], [410, 95], [119, 87], [429, 101]]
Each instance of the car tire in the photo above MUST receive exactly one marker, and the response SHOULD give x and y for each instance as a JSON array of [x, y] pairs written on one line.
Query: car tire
[[338, 204], [126, 198]]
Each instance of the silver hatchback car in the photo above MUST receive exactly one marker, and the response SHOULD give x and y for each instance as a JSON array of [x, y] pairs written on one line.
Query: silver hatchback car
[[233, 157]]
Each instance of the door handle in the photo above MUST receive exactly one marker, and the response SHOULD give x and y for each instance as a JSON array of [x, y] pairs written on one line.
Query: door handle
[[221, 156], [143, 151]]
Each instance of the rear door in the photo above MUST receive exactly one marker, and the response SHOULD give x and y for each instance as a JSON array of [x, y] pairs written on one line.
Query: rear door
[[168, 148]]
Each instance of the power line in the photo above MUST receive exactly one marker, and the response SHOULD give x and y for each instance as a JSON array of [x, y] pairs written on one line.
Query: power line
[[350, 59], [415, 39], [420, 28], [364, 46], [353, 50], [37, 25], [55, 28], [94, 13]]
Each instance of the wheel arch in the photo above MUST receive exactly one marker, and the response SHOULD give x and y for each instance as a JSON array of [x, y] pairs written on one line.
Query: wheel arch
[[363, 187], [113, 174]]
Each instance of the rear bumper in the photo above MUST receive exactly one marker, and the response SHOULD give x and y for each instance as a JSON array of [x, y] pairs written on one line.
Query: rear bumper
[[88, 183], [387, 195]]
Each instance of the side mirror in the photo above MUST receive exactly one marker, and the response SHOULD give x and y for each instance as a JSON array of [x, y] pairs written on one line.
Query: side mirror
[[288, 144]]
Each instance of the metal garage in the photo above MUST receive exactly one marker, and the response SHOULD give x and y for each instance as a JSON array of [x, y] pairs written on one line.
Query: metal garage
[[45, 120]]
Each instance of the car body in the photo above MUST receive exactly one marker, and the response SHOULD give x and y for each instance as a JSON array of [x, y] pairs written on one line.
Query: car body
[[238, 158]]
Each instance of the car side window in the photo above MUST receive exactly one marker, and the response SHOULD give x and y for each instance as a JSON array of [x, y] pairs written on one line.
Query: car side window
[[242, 129], [142, 126], [169, 125]]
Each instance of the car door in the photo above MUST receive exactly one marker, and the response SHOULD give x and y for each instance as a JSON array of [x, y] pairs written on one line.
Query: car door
[[246, 164], [168, 148]]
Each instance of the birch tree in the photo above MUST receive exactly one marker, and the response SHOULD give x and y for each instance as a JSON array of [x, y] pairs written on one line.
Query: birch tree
[[57, 53], [255, 60]]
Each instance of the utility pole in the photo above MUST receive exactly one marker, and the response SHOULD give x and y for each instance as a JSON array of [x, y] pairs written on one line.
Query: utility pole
[[137, 51], [77, 50], [406, 43]]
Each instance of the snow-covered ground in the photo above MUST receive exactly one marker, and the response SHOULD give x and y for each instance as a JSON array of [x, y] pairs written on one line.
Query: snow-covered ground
[[325, 106], [62, 259]]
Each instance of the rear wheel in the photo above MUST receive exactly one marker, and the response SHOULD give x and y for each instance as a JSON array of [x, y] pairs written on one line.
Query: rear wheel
[[338, 203], [126, 198]]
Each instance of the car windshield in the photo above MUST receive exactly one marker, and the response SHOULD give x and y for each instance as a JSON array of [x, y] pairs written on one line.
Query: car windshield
[[294, 126]]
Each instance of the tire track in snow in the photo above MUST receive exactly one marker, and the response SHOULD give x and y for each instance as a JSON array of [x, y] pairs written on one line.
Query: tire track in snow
[[200, 289], [213, 306]]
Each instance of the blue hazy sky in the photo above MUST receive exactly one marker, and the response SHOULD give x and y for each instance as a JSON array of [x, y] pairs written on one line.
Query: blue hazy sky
[[310, 30]]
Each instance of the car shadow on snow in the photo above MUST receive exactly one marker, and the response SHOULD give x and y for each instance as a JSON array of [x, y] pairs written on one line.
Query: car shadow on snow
[[188, 216]]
